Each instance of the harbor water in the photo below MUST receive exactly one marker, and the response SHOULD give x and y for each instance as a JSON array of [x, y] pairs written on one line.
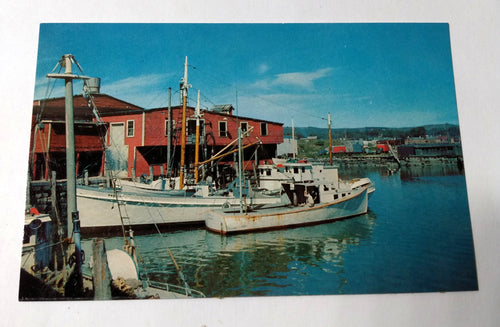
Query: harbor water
[[416, 237]]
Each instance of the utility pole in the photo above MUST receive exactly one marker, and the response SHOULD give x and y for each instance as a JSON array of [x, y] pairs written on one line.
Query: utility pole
[[197, 141], [185, 87], [72, 211], [329, 139]]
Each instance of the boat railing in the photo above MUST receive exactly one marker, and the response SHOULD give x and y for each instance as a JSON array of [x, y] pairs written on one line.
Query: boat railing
[[176, 288]]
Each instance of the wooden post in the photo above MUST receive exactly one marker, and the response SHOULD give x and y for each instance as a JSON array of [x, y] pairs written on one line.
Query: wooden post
[[100, 271]]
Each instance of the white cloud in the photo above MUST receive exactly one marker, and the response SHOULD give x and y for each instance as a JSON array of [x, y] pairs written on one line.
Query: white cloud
[[300, 79], [132, 84]]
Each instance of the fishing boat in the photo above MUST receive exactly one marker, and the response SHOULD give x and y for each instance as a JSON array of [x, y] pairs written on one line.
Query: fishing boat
[[142, 209], [315, 195], [272, 175], [311, 202]]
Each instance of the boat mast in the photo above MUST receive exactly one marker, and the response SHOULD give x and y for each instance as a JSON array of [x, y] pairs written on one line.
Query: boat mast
[[293, 141], [72, 211], [185, 87], [329, 140], [197, 142], [169, 131], [240, 171]]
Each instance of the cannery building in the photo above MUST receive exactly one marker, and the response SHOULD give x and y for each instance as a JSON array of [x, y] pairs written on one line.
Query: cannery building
[[112, 135]]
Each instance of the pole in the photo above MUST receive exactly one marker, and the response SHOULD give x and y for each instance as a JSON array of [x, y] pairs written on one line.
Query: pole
[[329, 140], [240, 171], [197, 142], [183, 131], [293, 141], [74, 223], [100, 271], [72, 212], [169, 130]]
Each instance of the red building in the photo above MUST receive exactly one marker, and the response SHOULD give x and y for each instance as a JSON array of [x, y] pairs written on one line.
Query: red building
[[131, 141], [48, 135], [382, 148], [147, 138], [339, 149]]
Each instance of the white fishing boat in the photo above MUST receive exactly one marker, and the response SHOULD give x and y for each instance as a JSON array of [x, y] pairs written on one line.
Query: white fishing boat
[[98, 207], [311, 202], [272, 175]]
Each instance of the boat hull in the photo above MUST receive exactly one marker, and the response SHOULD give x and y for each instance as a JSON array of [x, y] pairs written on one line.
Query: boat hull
[[98, 208], [354, 204]]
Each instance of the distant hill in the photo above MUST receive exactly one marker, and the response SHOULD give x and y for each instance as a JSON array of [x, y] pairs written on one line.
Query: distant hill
[[375, 132]]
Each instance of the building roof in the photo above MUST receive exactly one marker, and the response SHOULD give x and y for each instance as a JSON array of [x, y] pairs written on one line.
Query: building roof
[[223, 108], [106, 106], [211, 111]]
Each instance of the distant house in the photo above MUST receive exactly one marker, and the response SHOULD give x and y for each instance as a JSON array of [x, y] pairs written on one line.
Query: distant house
[[354, 146], [339, 149], [287, 148], [434, 149], [382, 148]]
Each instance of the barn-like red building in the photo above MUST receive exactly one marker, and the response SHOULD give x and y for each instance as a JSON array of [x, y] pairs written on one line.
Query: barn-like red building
[[131, 141]]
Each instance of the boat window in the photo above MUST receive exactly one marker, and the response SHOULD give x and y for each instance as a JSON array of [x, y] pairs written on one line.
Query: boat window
[[303, 169], [268, 172], [295, 170], [263, 129], [130, 128], [335, 196], [223, 129]]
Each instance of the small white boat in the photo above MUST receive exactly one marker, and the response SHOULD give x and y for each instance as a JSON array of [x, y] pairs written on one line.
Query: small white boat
[[312, 203]]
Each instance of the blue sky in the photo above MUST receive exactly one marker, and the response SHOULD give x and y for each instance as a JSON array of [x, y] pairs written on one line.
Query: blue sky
[[387, 75]]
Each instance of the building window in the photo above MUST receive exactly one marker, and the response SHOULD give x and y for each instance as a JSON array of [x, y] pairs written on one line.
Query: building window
[[130, 128], [263, 129], [191, 131], [223, 129], [172, 127], [244, 126]]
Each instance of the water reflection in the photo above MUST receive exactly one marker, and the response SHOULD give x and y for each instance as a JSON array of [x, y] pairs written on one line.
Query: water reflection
[[255, 264], [429, 170]]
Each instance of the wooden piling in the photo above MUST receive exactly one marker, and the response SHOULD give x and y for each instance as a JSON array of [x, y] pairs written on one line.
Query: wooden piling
[[100, 271]]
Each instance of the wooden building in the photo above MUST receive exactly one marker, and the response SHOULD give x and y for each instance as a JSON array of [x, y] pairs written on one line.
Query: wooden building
[[48, 134], [117, 136], [138, 143]]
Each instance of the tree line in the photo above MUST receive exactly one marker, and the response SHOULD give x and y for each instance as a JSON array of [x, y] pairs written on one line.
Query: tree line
[[368, 133]]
